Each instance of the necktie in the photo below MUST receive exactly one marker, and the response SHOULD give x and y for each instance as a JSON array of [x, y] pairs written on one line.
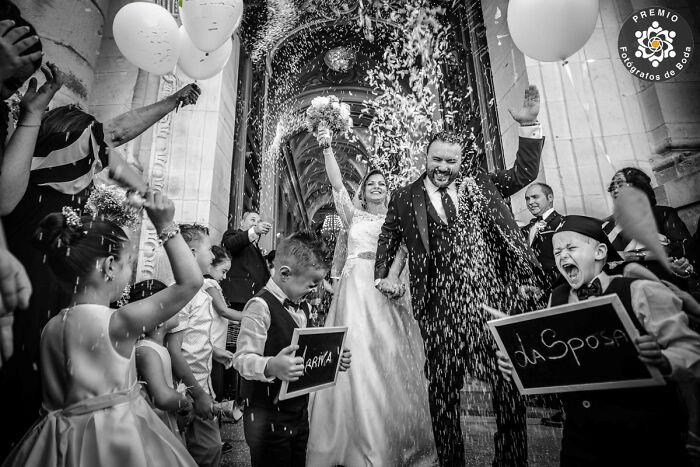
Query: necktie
[[448, 206], [593, 289], [532, 233], [290, 304]]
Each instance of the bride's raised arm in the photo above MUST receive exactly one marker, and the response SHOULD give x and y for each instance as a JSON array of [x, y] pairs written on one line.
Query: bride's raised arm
[[332, 167], [341, 198]]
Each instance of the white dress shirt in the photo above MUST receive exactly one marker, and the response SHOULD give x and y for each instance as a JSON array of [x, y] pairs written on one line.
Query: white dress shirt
[[660, 312], [196, 320], [436, 200], [533, 229], [249, 359]]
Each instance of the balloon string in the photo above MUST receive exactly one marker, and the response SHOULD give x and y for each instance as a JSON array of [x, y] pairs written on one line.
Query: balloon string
[[586, 111]]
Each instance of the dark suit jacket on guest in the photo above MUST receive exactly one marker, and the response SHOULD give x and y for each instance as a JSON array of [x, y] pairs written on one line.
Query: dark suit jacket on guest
[[249, 272], [542, 245], [407, 218]]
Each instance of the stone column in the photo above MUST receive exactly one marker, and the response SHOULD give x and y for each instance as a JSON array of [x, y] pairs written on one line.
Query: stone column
[[191, 162], [71, 34]]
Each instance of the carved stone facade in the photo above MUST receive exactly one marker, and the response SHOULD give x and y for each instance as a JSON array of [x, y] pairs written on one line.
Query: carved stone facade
[[149, 266]]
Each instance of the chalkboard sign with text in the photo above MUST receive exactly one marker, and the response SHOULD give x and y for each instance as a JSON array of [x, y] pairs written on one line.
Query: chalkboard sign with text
[[583, 346], [321, 349]]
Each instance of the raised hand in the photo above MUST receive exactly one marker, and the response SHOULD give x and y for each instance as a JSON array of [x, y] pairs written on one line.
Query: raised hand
[[262, 228], [160, 210], [531, 107], [324, 137], [11, 49], [34, 101], [188, 95]]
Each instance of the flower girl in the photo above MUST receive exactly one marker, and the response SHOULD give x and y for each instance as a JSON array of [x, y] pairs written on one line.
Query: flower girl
[[94, 413]]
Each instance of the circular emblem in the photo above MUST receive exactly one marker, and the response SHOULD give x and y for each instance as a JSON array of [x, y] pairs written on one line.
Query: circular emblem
[[655, 44]]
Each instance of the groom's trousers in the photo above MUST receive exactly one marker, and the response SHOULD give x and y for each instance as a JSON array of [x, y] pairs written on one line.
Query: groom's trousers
[[449, 355]]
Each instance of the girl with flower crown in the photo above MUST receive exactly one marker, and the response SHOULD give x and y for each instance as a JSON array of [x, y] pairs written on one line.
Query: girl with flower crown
[[94, 414]]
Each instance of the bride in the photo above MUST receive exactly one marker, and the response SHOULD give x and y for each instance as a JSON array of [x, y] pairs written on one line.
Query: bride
[[378, 415]]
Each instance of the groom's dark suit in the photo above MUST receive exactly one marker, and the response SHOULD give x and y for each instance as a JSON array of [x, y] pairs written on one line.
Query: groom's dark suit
[[412, 219]]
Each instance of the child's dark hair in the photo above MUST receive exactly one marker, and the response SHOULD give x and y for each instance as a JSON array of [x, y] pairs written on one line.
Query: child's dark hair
[[303, 250], [145, 289], [193, 233], [73, 247], [220, 255]]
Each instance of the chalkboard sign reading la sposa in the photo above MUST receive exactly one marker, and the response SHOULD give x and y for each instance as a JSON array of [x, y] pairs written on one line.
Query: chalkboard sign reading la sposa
[[321, 349], [584, 346]]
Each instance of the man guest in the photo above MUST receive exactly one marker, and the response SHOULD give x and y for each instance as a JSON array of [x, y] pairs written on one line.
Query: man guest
[[539, 198], [249, 272]]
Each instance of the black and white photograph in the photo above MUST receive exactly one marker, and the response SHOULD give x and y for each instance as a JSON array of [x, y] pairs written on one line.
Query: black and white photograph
[[350, 233]]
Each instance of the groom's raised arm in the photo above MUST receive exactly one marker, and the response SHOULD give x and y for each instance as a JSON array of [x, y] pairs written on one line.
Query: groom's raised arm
[[389, 241], [527, 163]]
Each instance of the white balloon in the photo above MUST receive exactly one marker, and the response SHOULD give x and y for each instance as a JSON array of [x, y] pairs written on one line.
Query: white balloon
[[211, 23], [147, 36], [198, 64], [551, 30]]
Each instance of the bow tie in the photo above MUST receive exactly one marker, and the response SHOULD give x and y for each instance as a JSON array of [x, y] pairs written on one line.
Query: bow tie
[[290, 304], [536, 219], [593, 289]]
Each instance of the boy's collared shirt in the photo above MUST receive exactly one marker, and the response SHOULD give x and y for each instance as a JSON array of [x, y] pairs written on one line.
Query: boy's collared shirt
[[196, 323], [660, 312], [249, 359]]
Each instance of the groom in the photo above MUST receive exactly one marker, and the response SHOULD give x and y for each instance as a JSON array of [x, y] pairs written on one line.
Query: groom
[[424, 216]]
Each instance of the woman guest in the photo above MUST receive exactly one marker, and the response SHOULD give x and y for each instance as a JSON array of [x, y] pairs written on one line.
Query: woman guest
[[673, 233]]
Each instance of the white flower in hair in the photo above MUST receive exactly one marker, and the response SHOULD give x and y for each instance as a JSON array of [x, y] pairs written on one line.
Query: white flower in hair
[[72, 217]]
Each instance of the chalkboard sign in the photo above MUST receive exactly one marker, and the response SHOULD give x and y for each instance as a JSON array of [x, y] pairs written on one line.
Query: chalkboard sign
[[588, 345], [321, 349]]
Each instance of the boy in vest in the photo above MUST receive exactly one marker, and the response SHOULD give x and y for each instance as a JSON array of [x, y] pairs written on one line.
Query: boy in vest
[[277, 431], [636, 426]]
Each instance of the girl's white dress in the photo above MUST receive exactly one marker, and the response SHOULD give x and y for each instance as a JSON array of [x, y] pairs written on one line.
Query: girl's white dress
[[95, 415], [377, 414], [169, 418]]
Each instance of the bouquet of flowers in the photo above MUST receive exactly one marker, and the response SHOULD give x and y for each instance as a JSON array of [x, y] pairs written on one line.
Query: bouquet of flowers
[[327, 112], [111, 202]]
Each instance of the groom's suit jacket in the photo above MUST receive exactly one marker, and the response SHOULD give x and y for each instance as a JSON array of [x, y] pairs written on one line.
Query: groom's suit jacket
[[407, 218]]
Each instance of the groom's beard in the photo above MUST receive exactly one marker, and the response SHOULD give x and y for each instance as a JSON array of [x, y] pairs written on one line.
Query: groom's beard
[[451, 177]]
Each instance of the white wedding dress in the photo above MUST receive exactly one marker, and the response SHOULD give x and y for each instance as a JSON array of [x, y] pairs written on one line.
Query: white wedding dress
[[377, 414]]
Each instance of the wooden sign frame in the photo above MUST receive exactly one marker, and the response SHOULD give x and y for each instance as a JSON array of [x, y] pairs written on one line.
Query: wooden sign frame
[[284, 394], [655, 377]]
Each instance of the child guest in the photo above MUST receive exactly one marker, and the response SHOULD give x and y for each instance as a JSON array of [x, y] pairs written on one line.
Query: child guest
[[192, 353], [636, 426], [154, 367], [95, 414], [277, 431], [223, 314]]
